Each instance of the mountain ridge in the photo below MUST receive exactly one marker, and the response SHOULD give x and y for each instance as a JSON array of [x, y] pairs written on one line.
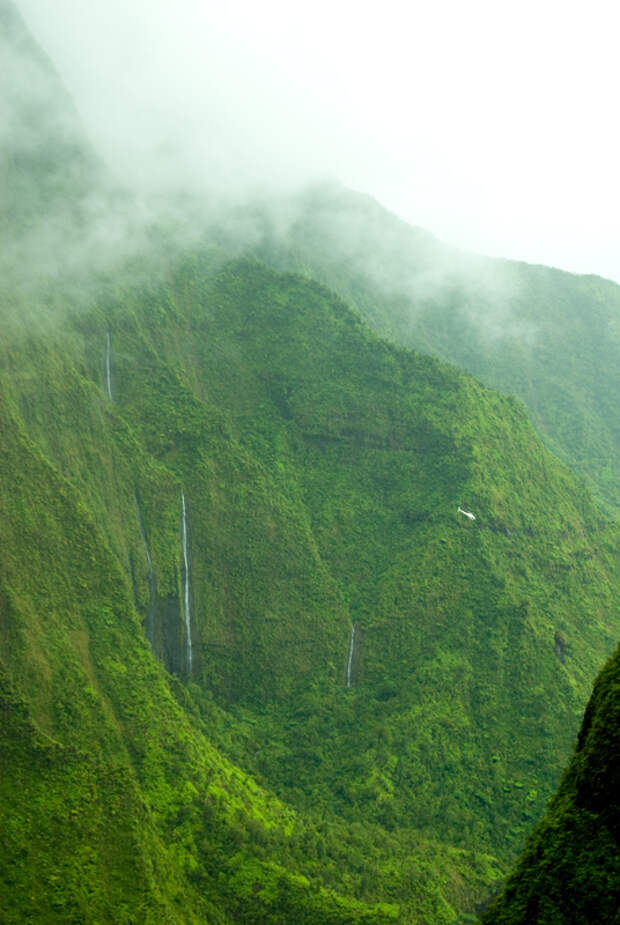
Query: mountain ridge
[[547, 336], [381, 693]]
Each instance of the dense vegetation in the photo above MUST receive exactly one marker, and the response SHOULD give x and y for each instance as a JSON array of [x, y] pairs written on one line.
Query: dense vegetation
[[255, 664], [549, 337], [322, 470], [570, 870]]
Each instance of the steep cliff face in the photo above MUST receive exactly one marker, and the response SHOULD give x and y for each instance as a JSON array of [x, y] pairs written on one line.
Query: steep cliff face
[[256, 662], [116, 804], [322, 472], [549, 337], [570, 869]]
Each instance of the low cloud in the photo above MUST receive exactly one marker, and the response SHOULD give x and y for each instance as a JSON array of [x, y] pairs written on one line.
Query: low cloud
[[426, 107]]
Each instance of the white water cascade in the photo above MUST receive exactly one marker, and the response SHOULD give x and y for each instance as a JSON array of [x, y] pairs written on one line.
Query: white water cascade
[[188, 630], [108, 375], [350, 658]]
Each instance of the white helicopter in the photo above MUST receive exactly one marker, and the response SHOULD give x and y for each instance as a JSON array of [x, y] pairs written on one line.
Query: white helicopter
[[466, 513]]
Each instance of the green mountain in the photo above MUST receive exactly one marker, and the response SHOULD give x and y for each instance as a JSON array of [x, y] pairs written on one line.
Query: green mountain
[[551, 338], [41, 136], [258, 663], [570, 870]]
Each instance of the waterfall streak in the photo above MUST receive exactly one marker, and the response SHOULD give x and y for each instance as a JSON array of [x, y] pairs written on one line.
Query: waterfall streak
[[188, 631], [350, 658], [108, 375]]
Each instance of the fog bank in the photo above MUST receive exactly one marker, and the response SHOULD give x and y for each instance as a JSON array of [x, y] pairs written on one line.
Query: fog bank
[[491, 125]]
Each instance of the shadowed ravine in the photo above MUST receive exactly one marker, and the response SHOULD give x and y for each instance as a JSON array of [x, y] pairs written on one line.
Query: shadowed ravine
[[186, 587]]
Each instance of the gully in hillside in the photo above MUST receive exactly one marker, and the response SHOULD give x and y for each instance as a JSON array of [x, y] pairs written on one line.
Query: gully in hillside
[[350, 656], [188, 629]]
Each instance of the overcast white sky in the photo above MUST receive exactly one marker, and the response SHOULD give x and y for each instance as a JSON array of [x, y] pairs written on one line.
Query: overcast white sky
[[493, 124]]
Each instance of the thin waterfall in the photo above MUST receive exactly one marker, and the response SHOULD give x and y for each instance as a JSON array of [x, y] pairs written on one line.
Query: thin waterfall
[[108, 375], [188, 630], [350, 658], [150, 614]]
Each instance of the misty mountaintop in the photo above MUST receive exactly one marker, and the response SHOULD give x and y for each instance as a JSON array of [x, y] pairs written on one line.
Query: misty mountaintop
[[255, 663], [41, 136], [549, 337]]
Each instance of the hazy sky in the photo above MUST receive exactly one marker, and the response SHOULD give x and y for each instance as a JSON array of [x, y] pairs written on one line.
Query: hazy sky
[[492, 124]]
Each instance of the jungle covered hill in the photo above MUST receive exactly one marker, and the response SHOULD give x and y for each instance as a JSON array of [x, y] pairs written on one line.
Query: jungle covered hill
[[398, 679], [549, 337], [296, 624], [570, 869]]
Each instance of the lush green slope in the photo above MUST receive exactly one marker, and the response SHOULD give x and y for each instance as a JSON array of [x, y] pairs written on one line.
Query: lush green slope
[[570, 870], [380, 447], [116, 807], [255, 664], [552, 338], [322, 470]]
